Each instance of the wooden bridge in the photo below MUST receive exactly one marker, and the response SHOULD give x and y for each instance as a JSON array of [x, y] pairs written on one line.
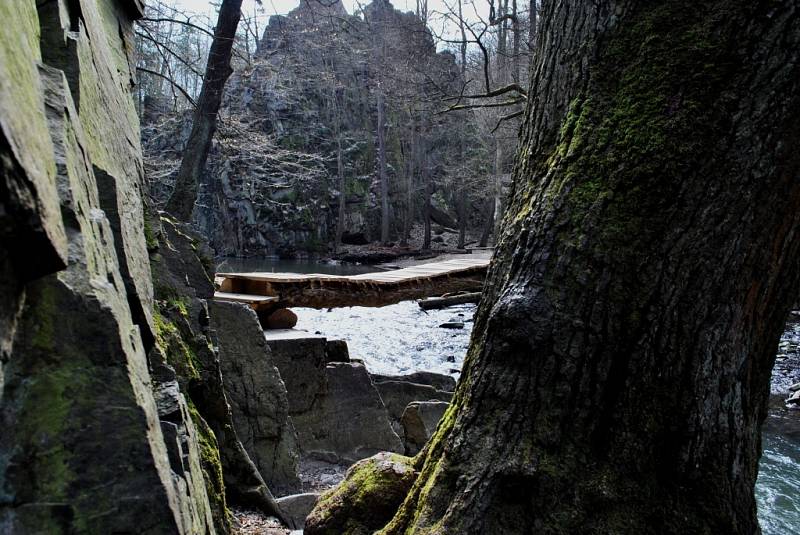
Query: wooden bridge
[[271, 291]]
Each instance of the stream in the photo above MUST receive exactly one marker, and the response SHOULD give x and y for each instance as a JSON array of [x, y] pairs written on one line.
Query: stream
[[402, 338]]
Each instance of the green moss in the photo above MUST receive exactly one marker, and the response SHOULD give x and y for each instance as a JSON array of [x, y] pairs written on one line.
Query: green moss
[[368, 497], [149, 236], [178, 353], [45, 313], [179, 304], [212, 471]]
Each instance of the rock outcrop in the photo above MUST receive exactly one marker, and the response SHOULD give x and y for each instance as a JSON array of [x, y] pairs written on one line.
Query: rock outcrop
[[190, 348], [337, 412], [281, 105], [84, 446], [257, 395], [113, 409]]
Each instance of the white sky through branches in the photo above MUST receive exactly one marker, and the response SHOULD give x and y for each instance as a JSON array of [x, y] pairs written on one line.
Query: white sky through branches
[[281, 7]]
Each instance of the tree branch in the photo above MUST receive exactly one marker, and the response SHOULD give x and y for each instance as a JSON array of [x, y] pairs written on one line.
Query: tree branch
[[171, 81]]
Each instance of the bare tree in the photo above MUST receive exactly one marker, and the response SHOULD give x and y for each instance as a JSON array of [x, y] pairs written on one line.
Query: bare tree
[[218, 69]]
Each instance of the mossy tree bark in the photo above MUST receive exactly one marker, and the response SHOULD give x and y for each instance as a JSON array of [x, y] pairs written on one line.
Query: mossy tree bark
[[619, 368], [204, 124]]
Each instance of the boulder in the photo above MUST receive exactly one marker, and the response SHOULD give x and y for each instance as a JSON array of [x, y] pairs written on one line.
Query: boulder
[[298, 506], [257, 395], [419, 421], [396, 395], [300, 358], [349, 421], [337, 351], [283, 318], [337, 411], [366, 500]]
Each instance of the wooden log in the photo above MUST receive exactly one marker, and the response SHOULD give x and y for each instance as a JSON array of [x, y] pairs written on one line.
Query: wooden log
[[433, 303], [370, 289]]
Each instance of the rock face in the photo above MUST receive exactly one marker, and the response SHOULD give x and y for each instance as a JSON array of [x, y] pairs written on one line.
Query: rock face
[[337, 412], [257, 395], [186, 344], [282, 104], [350, 421], [366, 500], [85, 446], [419, 421]]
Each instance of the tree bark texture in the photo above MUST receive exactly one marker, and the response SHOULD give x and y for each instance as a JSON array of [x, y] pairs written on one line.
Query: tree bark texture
[[218, 69], [619, 368]]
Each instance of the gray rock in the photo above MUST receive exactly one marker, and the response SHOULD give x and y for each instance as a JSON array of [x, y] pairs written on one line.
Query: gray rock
[[452, 325], [77, 355], [298, 506], [300, 358], [257, 395], [439, 381], [99, 69], [337, 351], [349, 420], [396, 395], [419, 421]]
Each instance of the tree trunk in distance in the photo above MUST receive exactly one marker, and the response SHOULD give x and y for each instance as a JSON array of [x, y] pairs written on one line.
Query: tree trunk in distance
[[218, 69], [461, 202], [533, 16], [487, 229], [498, 187], [426, 207], [342, 181], [619, 368], [384, 179], [515, 40]]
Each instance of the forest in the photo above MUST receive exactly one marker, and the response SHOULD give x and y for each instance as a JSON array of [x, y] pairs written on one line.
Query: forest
[[325, 267]]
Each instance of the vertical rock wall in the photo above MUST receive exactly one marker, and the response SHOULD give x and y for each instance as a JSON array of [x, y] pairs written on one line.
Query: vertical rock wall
[[82, 448]]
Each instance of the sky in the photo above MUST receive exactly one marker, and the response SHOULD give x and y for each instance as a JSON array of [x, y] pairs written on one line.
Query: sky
[[281, 7]]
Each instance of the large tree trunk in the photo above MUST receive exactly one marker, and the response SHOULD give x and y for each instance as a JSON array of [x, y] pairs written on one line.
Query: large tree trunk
[[218, 69], [619, 368]]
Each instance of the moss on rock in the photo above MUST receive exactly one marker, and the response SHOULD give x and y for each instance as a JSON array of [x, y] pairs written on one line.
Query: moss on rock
[[366, 500], [212, 471]]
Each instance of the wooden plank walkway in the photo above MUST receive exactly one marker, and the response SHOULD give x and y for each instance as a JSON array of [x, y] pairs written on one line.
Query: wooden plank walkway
[[318, 290]]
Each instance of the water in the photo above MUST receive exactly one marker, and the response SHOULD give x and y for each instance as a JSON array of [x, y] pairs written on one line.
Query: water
[[778, 485], [271, 264], [402, 338], [396, 339]]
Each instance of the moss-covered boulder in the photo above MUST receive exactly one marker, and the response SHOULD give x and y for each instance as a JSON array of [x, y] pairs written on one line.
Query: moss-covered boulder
[[366, 500]]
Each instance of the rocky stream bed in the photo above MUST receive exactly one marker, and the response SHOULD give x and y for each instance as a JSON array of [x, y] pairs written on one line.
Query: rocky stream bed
[[402, 339]]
